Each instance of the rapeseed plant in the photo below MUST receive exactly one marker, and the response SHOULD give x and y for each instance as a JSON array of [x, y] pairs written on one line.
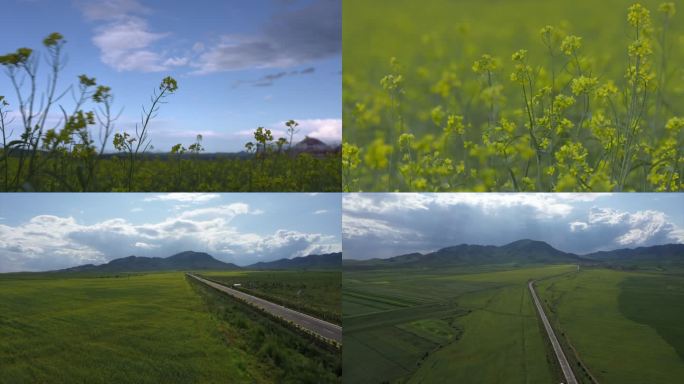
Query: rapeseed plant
[[520, 125]]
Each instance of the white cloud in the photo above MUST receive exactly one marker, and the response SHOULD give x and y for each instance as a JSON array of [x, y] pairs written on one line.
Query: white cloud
[[361, 227], [194, 198], [578, 226], [52, 242], [328, 130], [125, 45], [644, 225], [545, 205], [320, 211], [606, 216], [224, 211], [382, 225], [145, 245], [291, 38], [176, 61]]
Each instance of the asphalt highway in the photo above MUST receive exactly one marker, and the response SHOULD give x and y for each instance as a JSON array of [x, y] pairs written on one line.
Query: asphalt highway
[[562, 360], [310, 323]]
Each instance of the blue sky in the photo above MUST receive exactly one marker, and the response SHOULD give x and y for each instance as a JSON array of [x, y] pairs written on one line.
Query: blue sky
[[239, 64], [59, 230], [384, 225]]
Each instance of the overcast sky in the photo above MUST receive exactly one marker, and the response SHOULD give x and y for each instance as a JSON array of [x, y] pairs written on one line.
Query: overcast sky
[[239, 64], [385, 225], [53, 230]]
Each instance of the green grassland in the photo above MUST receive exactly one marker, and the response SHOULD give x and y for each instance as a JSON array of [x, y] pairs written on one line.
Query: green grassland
[[441, 116], [145, 328], [314, 292], [461, 324], [625, 326]]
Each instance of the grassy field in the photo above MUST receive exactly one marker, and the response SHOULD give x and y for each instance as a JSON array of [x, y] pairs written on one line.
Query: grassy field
[[438, 96], [291, 356], [467, 325], [147, 328], [625, 326], [314, 292], [276, 173]]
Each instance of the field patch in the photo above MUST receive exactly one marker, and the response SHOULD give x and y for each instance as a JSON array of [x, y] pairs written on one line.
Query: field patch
[[656, 301], [146, 329], [453, 324], [586, 310]]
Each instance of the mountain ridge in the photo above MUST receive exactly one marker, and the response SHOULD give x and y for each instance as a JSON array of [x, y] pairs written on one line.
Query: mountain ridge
[[191, 260], [322, 261], [525, 251]]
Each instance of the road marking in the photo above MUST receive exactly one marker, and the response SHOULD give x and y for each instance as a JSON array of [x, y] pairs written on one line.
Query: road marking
[[562, 360], [309, 323]]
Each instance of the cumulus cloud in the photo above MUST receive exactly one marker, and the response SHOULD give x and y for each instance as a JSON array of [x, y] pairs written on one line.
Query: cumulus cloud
[[327, 130], [636, 228], [292, 38], [51, 242], [125, 39], [125, 46], [295, 35], [384, 225]]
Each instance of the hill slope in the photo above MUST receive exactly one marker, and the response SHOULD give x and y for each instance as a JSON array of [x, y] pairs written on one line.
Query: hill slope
[[527, 252], [325, 261], [668, 254], [187, 260]]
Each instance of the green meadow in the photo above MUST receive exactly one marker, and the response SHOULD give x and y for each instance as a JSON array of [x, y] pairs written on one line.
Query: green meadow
[[626, 327], [145, 328], [479, 324]]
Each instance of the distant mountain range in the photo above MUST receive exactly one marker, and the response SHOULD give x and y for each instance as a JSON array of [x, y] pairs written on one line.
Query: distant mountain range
[[664, 254], [325, 261], [527, 252], [309, 145], [194, 261]]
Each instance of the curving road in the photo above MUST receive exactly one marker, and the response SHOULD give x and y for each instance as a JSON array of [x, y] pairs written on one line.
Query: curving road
[[322, 328], [562, 360]]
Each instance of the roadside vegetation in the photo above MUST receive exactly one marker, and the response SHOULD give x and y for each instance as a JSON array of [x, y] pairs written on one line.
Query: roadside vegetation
[[513, 96], [317, 293], [43, 153], [291, 356]]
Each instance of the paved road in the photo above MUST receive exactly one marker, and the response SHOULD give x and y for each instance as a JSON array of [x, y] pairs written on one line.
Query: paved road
[[562, 360], [312, 324]]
